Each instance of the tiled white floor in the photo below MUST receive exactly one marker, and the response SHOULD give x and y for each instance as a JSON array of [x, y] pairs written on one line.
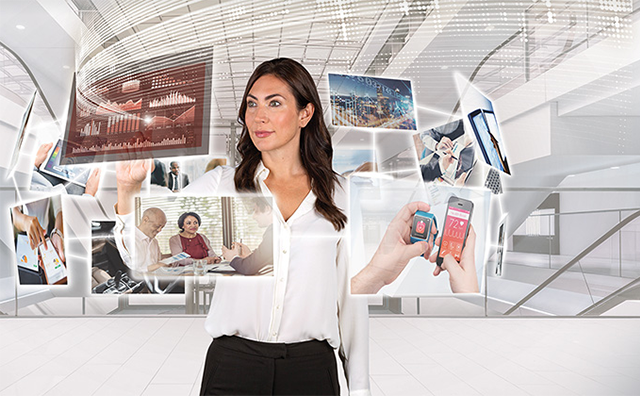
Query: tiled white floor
[[409, 356]]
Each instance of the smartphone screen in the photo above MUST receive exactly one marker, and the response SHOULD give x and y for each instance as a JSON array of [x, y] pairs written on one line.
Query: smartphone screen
[[455, 231]]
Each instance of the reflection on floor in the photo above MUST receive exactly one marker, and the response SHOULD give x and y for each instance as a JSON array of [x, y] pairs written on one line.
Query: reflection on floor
[[408, 356]]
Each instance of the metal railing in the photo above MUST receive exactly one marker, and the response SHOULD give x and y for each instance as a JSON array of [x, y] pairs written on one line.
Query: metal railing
[[602, 268]]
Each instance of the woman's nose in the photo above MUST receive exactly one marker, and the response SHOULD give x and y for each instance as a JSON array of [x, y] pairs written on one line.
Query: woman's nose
[[261, 114]]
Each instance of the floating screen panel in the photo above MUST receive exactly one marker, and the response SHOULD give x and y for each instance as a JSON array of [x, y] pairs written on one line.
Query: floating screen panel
[[157, 108], [371, 102]]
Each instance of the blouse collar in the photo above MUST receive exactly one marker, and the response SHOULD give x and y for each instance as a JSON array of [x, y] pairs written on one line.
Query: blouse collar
[[308, 204]]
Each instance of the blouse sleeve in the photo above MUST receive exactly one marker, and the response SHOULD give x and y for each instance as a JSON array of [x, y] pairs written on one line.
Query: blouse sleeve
[[210, 251], [176, 247], [353, 321]]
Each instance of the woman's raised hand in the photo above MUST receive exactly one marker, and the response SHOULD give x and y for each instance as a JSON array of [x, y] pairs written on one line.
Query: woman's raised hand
[[130, 174], [129, 177]]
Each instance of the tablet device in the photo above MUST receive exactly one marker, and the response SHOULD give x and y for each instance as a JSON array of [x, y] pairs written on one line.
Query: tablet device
[[27, 257], [485, 128], [77, 174]]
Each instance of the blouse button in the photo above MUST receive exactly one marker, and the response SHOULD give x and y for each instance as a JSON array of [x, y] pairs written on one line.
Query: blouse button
[[284, 251]]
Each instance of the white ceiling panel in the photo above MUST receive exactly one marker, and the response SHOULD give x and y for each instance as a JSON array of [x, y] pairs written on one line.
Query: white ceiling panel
[[292, 51]]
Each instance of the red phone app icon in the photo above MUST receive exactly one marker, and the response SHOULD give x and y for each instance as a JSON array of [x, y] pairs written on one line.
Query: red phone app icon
[[420, 227]]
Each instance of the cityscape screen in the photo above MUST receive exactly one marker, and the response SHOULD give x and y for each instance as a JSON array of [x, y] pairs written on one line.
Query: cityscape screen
[[371, 102]]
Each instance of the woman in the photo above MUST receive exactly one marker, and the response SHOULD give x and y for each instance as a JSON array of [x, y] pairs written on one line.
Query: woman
[[278, 334], [188, 240]]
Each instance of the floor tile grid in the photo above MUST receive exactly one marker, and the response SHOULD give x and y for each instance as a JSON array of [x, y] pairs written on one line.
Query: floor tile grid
[[484, 374], [417, 355], [528, 345], [49, 364], [564, 361], [185, 363], [32, 347], [61, 367], [388, 376], [29, 337], [92, 372], [139, 368]]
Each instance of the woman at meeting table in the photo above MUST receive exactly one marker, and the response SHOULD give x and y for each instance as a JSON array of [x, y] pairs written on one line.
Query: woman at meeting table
[[188, 240]]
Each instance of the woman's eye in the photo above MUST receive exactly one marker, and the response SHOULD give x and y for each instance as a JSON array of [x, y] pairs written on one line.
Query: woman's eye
[[251, 104], [274, 103]]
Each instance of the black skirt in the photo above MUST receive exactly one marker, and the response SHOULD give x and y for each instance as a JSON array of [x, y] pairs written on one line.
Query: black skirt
[[237, 366]]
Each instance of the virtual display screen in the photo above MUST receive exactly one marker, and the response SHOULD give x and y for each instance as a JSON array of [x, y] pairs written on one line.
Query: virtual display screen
[[371, 102], [154, 109]]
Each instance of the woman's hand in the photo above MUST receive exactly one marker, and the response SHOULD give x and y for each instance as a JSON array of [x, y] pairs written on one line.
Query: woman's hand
[[129, 178], [131, 174], [394, 252], [462, 275]]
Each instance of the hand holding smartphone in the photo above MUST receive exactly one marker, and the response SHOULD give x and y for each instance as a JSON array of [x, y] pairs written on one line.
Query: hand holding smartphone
[[457, 248], [456, 228]]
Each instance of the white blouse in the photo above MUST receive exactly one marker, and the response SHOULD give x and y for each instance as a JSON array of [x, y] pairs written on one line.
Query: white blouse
[[308, 296]]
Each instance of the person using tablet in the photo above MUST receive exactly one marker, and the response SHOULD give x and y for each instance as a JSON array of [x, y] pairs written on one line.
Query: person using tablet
[[34, 219], [43, 181]]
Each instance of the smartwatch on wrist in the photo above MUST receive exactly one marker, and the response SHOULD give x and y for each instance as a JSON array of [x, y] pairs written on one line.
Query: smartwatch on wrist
[[421, 227]]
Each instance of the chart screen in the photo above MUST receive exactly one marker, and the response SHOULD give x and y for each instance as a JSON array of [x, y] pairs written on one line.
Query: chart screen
[[163, 112]]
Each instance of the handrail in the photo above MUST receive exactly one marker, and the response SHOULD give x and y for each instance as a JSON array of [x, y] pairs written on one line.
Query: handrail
[[573, 261], [610, 297], [483, 61], [585, 212], [509, 40], [33, 80]]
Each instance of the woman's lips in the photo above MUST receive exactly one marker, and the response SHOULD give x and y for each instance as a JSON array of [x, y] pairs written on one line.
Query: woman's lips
[[262, 134]]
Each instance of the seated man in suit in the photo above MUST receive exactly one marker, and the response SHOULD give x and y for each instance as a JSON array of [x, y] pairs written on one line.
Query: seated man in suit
[[176, 180]]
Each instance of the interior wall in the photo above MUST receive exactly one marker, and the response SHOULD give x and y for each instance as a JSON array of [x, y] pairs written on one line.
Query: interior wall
[[580, 230]]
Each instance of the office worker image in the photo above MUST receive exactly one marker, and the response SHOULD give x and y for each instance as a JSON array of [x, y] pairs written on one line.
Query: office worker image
[[277, 334], [189, 240]]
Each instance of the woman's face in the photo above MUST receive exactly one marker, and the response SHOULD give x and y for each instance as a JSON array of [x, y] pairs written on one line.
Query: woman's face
[[272, 115], [191, 225]]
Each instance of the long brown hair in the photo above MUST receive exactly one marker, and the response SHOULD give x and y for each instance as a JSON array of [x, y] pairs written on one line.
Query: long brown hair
[[315, 141]]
